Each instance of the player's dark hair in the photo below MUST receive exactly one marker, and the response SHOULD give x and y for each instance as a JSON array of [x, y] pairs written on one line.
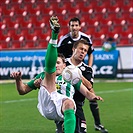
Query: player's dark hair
[[75, 20], [110, 39], [62, 57], [75, 45]]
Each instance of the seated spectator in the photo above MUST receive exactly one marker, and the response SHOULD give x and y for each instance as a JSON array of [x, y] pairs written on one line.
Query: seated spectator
[[109, 45]]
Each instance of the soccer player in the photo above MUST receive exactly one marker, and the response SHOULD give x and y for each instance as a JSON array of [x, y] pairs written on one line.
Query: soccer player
[[80, 49], [67, 41], [53, 104]]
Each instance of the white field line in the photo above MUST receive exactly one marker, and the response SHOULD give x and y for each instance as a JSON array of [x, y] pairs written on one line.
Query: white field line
[[114, 91], [20, 100], [100, 92]]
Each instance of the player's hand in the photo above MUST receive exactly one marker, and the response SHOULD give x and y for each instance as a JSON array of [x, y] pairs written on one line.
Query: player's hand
[[98, 98], [16, 75], [37, 82], [54, 24], [93, 97]]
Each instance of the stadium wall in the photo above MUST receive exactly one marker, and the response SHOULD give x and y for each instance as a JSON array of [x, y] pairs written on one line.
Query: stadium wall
[[125, 62], [27, 61]]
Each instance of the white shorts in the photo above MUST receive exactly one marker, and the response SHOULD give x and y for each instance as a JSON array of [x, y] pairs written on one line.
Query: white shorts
[[49, 104]]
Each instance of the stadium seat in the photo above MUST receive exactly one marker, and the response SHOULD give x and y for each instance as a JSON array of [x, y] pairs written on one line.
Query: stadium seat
[[89, 20], [97, 42], [104, 29], [60, 10], [8, 22], [127, 32], [43, 44], [6, 11], [64, 31], [29, 43], [3, 45], [63, 22], [114, 17], [2, 37], [23, 23], [17, 39], [31, 10], [18, 10], [90, 31], [35, 21], [124, 42], [128, 16], [4, 29], [72, 9]]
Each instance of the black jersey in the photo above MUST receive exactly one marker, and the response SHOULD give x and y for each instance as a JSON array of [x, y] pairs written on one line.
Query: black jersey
[[87, 72], [66, 43]]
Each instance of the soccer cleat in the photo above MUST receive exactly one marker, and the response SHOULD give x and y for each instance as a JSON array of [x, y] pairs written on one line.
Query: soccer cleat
[[100, 128], [55, 26], [59, 127]]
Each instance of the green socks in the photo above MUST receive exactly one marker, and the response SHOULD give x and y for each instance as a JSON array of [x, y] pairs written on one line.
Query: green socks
[[54, 35], [51, 55], [69, 121]]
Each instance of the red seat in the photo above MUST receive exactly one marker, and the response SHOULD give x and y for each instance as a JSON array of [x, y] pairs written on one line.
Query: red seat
[[18, 10], [63, 22], [30, 8], [97, 42], [64, 31], [90, 31], [23, 23], [7, 20], [29, 44], [16, 45], [3, 39], [127, 32], [114, 4], [89, 21], [43, 44], [6, 11], [128, 16], [72, 9], [104, 29], [46, 11], [15, 38], [3, 45], [124, 42]]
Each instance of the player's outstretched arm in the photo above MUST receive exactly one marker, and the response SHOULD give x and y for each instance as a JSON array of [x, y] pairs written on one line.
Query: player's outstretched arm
[[21, 87], [87, 84], [89, 95]]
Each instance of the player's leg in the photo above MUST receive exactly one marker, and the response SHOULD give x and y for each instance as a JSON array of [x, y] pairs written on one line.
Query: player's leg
[[59, 126], [69, 116], [80, 119], [51, 57], [95, 112]]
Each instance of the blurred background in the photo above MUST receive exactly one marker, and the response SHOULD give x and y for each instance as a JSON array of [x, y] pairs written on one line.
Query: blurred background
[[24, 31]]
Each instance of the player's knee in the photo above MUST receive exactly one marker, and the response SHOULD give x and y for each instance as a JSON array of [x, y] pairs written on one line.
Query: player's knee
[[68, 104]]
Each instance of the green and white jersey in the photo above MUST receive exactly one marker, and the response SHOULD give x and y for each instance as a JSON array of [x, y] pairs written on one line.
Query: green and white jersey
[[62, 86]]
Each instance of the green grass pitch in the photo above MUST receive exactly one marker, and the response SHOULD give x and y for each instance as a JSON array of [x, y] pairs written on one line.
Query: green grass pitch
[[19, 114]]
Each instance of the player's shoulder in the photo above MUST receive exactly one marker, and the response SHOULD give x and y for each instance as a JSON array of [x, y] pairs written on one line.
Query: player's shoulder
[[68, 61], [85, 36], [64, 38], [85, 67]]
